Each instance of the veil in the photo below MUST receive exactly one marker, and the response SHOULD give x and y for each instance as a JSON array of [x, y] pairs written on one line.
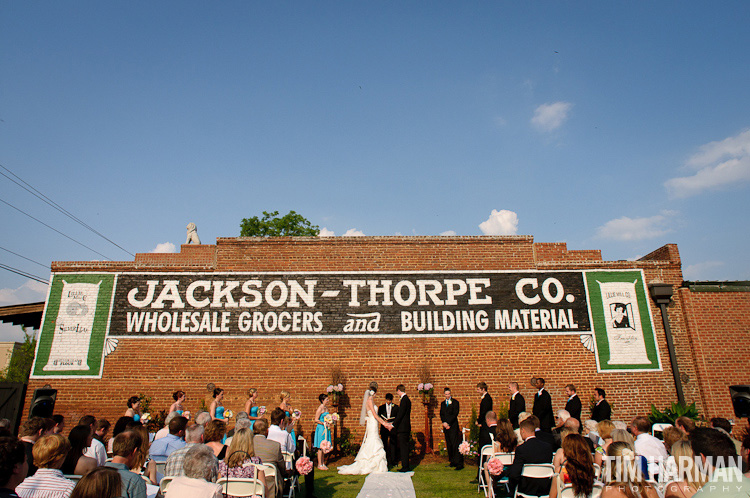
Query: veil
[[363, 413]]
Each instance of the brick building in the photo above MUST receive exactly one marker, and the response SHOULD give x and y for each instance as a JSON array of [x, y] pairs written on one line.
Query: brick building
[[283, 313]]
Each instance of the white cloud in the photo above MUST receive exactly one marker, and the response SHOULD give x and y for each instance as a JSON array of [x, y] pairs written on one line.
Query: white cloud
[[700, 271], [30, 292], [717, 164], [548, 117], [501, 222], [448, 233], [324, 232], [353, 232], [165, 247], [630, 229]]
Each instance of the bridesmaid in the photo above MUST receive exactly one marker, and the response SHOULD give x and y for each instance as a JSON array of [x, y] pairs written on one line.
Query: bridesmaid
[[179, 397], [250, 408], [285, 398], [134, 408], [217, 409], [322, 431]]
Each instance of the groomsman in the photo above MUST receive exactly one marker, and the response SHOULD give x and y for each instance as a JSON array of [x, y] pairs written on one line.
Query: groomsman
[[485, 406], [543, 407], [449, 409], [517, 404], [573, 405], [602, 410], [402, 426], [388, 412]]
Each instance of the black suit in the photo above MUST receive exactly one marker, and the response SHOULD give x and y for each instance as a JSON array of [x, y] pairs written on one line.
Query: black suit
[[485, 405], [533, 450], [548, 438], [543, 410], [573, 406], [449, 415], [602, 411], [516, 406], [402, 426], [388, 436]]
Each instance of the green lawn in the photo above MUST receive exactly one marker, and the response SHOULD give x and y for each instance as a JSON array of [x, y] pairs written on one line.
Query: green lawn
[[431, 480]]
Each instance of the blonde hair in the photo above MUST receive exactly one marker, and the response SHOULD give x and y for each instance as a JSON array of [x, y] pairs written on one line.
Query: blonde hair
[[523, 416], [671, 435], [142, 453], [284, 395], [622, 436], [50, 449], [605, 428], [241, 448], [684, 457]]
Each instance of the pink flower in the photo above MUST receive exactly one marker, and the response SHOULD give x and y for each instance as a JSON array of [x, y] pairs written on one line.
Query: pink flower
[[340, 387], [329, 389], [427, 386], [464, 448], [261, 410], [326, 446], [495, 466], [420, 387], [335, 417], [296, 414], [304, 465]]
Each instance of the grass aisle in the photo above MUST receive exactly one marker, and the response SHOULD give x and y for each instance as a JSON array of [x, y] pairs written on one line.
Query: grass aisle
[[431, 480]]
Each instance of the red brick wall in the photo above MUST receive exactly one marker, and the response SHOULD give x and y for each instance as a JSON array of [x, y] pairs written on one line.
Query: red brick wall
[[303, 366]]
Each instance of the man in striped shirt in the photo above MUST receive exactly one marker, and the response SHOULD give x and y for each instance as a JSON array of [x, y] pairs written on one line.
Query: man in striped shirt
[[48, 482]]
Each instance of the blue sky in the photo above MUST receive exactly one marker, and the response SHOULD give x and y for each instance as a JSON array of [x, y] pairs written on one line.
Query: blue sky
[[606, 125]]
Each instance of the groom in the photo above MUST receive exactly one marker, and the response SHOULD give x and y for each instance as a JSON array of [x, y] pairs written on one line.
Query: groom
[[402, 426]]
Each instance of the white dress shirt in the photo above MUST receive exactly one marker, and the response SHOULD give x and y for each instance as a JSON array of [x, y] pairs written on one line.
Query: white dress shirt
[[653, 449], [97, 451]]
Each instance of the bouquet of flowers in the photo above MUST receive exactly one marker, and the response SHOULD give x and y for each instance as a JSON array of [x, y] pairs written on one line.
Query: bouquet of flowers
[[335, 417], [261, 411], [425, 388], [326, 446], [228, 414], [464, 448], [328, 420], [495, 466], [186, 414], [304, 465], [296, 414], [145, 417]]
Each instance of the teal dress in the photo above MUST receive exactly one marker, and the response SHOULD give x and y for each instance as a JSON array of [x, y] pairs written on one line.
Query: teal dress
[[294, 436], [321, 433], [136, 418], [253, 413], [220, 416]]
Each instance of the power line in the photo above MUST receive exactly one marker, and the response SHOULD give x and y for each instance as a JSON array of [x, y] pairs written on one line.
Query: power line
[[26, 186], [55, 229], [23, 273], [24, 257]]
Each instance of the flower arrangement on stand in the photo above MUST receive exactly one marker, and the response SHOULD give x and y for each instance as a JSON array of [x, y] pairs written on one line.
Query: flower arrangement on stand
[[334, 392], [425, 390]]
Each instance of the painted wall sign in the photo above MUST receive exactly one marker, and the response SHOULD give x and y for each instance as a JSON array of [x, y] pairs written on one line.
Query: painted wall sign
[[83, 309]]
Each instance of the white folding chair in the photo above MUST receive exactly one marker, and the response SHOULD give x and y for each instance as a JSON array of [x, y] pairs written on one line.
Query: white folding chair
[[242, 486], [304, 445], [160, 466], [487, 451], [164, 484], [659, 428], [536, 471], [597, 471], [294, 480], [506, 459]]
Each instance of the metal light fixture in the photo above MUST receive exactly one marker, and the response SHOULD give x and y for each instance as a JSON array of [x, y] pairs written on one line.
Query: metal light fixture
[[662, 295]]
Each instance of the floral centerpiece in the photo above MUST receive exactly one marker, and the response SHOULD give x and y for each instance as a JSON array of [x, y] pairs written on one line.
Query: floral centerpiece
[[334, 392], [426, 390]]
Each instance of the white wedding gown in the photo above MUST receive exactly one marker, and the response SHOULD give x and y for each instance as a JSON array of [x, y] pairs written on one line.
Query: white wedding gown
[[371, 457]]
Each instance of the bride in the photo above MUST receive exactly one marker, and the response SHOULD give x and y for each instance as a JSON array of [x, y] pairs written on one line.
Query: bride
[[371, 457]]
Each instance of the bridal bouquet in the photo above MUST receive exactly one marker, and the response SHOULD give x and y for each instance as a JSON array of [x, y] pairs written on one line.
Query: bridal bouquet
[[304, 465], [328, 420], [495, 466], [326, 446], [335, 417], [296, 414], [464, 448], [261, 411], [228, 414]]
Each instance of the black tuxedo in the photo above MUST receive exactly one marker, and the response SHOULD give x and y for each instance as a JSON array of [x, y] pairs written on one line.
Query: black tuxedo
[[449, 415], [573, 406], [388, 436], [516, 406], [533, 450], [485, 405], [543, 410], [402, 426], [548, 438], [602, 411]]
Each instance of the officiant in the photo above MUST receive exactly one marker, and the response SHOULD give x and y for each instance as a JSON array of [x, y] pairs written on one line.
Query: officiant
[[388, 411]]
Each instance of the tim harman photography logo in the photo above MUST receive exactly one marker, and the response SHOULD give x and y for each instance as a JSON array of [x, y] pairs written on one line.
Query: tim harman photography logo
[[718, 473]]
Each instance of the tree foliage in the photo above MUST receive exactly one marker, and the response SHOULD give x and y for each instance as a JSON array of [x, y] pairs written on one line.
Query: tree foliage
[[21, 361], [273, 225]]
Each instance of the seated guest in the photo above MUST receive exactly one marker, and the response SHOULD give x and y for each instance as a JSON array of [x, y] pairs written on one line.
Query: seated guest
[[59, 424], [101, 428], [49, 426], [120, 426], [723, 425], [521, 417], [577, 468], [176, 460], [201, 472], [143, 464], [270, 453], [685, 476], [717, 454], [30, 432], [626, 478], [745, 453], [545, 436], [76, 463], [215, 431], [559, 460], [590, 430], [13, 466], [203, 418], [241, 423], [125, 447], [102, 482], [533, 450], [622, 436], [604, 429], [685, 424], [49, 454], [175, 440], [164, 431], [240, 456], [670, 436], [560, 419], [278, 434], [96, 449], [505, 442], [647, 445], [486, 436]]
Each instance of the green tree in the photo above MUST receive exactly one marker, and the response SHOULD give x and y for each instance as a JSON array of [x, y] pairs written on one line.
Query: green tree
[[21, 361], [273, 225]]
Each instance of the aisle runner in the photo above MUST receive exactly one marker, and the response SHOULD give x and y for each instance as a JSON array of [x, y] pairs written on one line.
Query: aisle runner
[[388, 485]]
